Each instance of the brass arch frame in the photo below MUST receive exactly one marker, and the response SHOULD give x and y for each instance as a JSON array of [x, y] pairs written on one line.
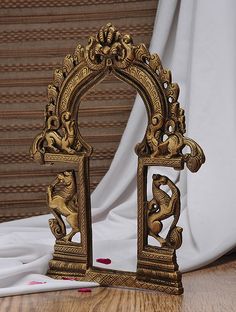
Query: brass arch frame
[[110, 52]]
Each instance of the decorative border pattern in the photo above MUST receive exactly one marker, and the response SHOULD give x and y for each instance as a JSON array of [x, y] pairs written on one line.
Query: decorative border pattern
[[119, 278]]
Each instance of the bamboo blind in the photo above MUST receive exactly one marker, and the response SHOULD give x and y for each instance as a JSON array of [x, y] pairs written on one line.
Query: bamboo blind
[[35, 35]]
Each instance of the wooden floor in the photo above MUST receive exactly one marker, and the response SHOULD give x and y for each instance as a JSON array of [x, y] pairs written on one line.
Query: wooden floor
[[212, 289]]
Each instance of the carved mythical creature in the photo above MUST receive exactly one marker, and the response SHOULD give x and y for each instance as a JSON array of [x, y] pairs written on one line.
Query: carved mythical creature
[[58, 136], [173, 146], [170, 141], [57, 142], [161, 207], [62, 203]]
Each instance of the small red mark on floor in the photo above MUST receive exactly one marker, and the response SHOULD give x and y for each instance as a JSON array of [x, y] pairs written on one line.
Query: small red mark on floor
[[104, 260], [36, 283], [69, 278], [84, 290]]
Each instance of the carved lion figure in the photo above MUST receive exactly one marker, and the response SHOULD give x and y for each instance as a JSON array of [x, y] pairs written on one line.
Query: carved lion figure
[[56, 142], [59, 135], [61, 203]]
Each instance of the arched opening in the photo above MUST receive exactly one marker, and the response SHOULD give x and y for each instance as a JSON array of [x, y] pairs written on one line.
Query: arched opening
[[119, 101], [102, 116]]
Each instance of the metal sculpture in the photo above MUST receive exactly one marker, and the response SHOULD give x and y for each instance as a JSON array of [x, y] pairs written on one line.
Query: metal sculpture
[[110, 52]]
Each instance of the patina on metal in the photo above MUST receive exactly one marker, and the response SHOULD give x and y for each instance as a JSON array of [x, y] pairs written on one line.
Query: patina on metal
[[110, 52]]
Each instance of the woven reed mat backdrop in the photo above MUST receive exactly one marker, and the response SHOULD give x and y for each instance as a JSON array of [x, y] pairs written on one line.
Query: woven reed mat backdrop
[[35, 36]]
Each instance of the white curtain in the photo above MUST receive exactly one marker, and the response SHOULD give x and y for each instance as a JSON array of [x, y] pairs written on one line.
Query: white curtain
[[196, 40]]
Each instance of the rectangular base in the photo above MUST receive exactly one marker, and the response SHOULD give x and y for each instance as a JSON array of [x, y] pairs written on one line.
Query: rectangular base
[[156, 269], [124, 279]]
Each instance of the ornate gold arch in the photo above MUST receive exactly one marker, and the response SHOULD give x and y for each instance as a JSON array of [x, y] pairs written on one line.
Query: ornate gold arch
[[110, 52]]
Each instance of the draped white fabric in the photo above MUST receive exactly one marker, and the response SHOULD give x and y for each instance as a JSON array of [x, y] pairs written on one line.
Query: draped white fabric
[[196, 40]]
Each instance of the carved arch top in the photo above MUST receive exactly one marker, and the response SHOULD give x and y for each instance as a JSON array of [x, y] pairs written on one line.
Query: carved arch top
[[111, 52]]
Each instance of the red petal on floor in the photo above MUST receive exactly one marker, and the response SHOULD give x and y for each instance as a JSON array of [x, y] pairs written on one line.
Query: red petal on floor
[[104, 260], [84, 290], [69, 278], [36, 283]]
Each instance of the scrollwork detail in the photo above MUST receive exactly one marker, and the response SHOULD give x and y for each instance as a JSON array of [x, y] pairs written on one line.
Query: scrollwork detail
[[52, 93], [58, 78], [141, 53], [57, 227], [68, 64]]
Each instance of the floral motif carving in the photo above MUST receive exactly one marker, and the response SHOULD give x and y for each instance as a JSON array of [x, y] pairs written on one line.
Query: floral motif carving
[[109, 48]]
